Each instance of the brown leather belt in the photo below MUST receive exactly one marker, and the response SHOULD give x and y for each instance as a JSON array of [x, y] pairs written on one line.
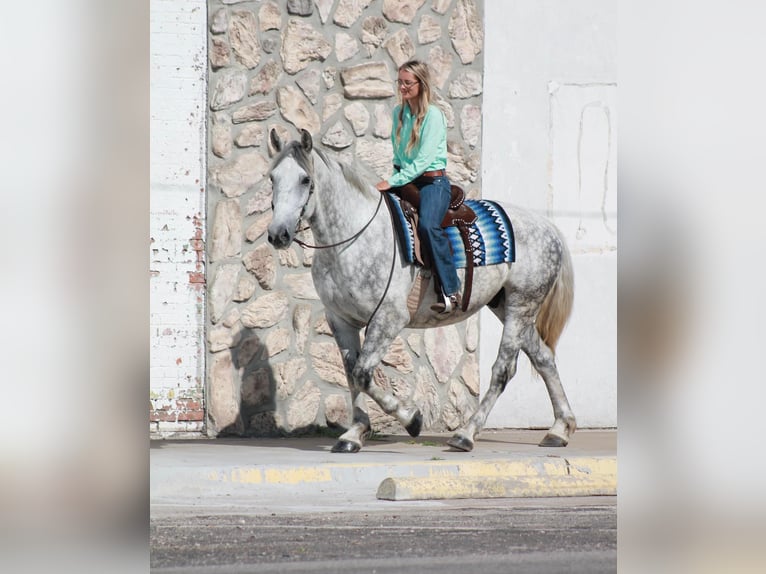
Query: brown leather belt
[[434, 173]]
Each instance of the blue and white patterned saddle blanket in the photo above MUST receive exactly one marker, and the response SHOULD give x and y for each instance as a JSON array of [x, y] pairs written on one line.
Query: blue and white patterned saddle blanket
[[491, 235]]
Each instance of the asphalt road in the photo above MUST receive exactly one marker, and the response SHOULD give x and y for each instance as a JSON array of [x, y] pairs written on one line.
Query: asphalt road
[[478, 536]]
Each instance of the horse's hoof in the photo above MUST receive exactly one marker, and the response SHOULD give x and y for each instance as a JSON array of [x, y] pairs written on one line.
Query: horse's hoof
[[346, 446], [415, 424], [461, 443], [553, 440]]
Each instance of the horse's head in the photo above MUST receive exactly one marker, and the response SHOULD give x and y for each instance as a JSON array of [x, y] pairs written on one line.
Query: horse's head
[[292, 182]]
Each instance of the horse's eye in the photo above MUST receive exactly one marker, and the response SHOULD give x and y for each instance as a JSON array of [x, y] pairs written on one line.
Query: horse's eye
[[305, 181]]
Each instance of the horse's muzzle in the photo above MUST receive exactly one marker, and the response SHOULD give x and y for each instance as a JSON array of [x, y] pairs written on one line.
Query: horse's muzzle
[[280, 238]]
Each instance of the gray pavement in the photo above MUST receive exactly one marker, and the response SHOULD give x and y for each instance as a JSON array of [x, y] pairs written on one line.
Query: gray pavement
[[300, 475]]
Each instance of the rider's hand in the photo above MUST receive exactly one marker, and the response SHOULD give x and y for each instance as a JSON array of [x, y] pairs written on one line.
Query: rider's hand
[[383, 185]]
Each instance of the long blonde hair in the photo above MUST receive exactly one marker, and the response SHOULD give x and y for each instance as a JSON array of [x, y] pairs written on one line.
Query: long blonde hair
[[423, 100]]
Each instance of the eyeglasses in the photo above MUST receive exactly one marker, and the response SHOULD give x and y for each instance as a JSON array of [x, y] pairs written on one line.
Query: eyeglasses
[[406, 83]]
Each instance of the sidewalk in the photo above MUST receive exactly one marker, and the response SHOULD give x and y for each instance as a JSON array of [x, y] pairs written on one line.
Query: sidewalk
[[301, 474]]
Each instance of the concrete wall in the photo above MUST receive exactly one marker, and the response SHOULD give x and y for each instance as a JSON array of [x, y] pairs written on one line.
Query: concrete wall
[[178, 174], [549, 143]]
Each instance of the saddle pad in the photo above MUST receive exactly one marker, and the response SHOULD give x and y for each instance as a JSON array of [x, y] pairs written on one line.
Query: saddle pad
[[491, 235]]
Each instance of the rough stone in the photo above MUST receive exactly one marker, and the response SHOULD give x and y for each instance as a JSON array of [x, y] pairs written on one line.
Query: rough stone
[[440, 64], [459, 407], [368, 80], [304, 406], [398, 357], [301, 45], [470, 374], [309, 83], [261, 199], [400, 47], [221, 290], [265, 311], [378, 155], [466, 31], [277, 341], [462, 168], [223, 395], [287, 376], [466, 85], [255, 112], [220, 134], [470, 124], [322, 327], [288, 258], [236, 177], [229, 89], [444, 351], [328, 76], [270, 16], [301, 319], [219, 23], [444, 105], [260, 262], [430, 29], [328, 363], [226, 236], [300, 7], [346, 46], [221, 338], [256, 388], [266, 78], [383, 121], [270, 44], [324, 7], [251, 349], [231, 318], [337, 137], [243, 35], [257, 228], [427, 397], [245, 289], [415, 341], [401, 10], [348, 11], [266, 423], [251, 136], [472, 334], [332, 103], [220, 53], [374, 31], [440, 6], [301, 286], [336, 411], [297, 110], [358, 116]]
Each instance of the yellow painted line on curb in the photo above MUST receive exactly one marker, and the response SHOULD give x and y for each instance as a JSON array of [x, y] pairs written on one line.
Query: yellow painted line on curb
[[273, 475], [578, 476]]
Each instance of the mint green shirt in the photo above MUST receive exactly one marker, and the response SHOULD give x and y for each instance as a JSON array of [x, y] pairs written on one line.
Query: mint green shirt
[[428, 155]]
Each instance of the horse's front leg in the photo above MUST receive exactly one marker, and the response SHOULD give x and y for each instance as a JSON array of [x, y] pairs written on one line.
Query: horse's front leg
[[386, 325], [347, 338]]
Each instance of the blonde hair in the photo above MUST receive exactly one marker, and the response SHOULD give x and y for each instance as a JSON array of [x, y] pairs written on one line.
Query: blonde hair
[[423, 100]]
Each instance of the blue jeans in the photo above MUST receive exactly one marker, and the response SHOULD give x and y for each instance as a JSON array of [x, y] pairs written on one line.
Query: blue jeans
[[434, 201]]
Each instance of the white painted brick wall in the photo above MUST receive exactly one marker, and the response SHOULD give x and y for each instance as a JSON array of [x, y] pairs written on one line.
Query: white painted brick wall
[[178, 105]]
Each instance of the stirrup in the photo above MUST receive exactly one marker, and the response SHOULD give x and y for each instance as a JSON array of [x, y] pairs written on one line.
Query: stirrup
[[448, 304]]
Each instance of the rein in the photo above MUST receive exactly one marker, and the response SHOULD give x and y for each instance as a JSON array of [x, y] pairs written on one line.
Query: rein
[[356, 235]]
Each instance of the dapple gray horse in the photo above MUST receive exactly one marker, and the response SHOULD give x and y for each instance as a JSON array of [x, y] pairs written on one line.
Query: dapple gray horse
[[360, 287]]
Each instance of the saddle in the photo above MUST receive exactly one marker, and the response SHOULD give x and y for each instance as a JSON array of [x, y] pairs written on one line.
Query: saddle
[[458, 215]]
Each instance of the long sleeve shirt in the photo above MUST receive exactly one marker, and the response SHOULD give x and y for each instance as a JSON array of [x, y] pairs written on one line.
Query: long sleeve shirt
[[430, 153]]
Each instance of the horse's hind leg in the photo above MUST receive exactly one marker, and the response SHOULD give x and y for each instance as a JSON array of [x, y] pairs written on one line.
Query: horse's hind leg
[[502, 371], [347, 338], [543, 361]]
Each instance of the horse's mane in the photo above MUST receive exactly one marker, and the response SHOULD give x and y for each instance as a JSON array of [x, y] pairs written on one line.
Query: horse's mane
[[361, 177]]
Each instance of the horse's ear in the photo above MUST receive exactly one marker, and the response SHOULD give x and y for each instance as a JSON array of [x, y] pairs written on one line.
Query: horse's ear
[[306, 141], [275, 141]]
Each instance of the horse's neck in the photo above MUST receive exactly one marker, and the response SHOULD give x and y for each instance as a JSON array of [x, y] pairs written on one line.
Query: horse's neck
[[340, 210]]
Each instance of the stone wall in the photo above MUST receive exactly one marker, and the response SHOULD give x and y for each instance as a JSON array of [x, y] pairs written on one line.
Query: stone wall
[[328, 66]]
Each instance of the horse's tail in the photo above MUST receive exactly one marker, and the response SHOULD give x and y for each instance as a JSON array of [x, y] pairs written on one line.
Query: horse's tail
[[557, 305]]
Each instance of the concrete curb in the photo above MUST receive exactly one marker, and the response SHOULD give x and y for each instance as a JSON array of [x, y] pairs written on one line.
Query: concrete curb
[[527, 478]]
